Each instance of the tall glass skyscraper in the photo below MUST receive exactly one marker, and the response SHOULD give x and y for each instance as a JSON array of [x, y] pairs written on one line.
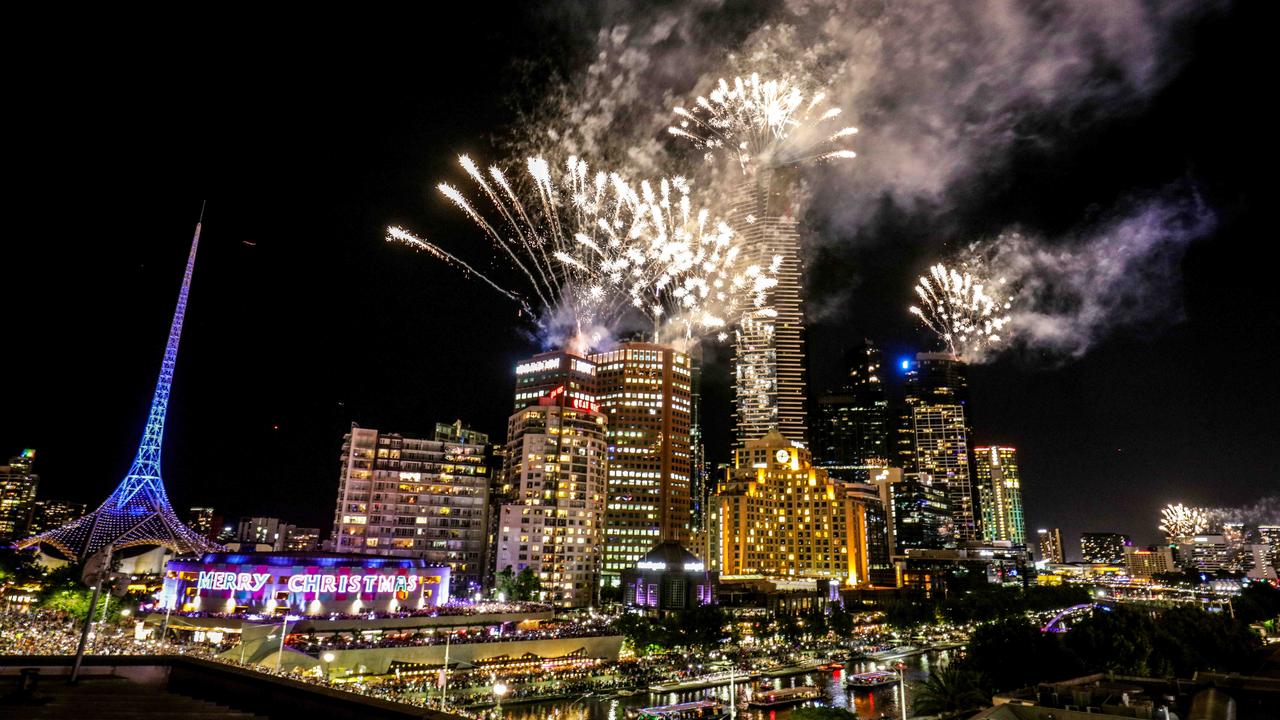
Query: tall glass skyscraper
[[768, 348], [850, 428], [645, 391], [1000, 490], [933, 438]]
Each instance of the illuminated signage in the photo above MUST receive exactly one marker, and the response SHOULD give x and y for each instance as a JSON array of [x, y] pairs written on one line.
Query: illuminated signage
[[579, 404], [314, 583], [538, 366], [252, 582], [366, 584]]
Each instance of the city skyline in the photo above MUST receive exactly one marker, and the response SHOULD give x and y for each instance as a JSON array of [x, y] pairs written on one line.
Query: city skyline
[[1161, 417]]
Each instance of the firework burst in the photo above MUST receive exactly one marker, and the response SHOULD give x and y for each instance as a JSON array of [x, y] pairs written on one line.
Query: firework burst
[[1178, 521], [962, 310], [593, 248], [766, 123]]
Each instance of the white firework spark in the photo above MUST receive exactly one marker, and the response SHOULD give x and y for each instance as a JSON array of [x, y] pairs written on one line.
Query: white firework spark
[[964, 311], [765, 123], [593, 248], [1178, 521]]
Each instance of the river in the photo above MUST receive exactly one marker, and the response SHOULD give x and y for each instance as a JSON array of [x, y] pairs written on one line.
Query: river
[[867, 704]]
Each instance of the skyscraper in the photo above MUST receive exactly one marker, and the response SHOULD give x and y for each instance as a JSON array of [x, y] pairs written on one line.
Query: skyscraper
[[1051, 549], [645, 391], [933, 437], [405, 496], [50, 514], [1000, 490], [17, 495], [556, 465], [782, 516], [138, 512], [1103, 547], [850, 430], [768, 349]]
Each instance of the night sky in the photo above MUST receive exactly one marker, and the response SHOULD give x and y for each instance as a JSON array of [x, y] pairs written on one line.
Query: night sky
[[307, 139]]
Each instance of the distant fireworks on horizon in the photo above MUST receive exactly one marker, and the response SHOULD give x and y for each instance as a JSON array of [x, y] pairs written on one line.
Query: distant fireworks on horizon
[[594, 247], [1178, 521], [968, 313]]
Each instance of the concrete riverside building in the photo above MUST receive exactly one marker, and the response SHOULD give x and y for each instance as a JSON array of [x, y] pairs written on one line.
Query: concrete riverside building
[[645, 390], [781, 516], [556, 468], [404, 496]]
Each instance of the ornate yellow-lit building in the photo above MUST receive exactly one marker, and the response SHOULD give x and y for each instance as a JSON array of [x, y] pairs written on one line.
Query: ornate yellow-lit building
[[781, 516]]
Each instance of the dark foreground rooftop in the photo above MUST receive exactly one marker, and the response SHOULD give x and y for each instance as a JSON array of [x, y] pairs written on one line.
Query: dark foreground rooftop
[[170, 686]]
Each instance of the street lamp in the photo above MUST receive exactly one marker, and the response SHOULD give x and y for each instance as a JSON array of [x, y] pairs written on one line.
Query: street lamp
[[328, 662], [499, 689], [902, 687]]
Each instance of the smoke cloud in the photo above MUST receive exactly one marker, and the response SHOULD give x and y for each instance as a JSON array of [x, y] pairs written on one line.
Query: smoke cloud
[[1121, 272], [945, 94]]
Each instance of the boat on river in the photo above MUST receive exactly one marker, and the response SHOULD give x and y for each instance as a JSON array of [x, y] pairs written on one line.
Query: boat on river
[[781, 697], [696, 710], [871, 680]]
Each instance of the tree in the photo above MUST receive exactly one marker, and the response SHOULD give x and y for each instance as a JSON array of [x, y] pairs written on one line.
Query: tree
[[949, 692], [1118, 640], [1040, 655], [505, 583], [1259, 602], [527, 585]]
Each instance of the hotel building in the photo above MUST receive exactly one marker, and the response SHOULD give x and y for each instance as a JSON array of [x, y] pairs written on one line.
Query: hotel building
[[1000, 490], [404, 496]]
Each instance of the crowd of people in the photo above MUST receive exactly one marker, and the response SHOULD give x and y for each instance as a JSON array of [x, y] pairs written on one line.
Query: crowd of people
[[448, 610], [314, 645], [46, 632]]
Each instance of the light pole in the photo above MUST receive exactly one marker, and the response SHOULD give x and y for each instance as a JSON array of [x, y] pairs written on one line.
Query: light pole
[[902, 687], [499, 689], [328, 665]]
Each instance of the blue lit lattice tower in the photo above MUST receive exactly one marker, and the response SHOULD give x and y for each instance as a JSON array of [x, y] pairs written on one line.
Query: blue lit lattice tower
[[138, 512]]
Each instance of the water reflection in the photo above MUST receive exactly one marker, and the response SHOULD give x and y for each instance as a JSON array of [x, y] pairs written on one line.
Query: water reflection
[[868, 704]]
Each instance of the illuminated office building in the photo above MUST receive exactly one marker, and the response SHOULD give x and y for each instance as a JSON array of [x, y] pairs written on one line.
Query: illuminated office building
[[645, 391], [768, 348], [781, 516], [933, 437], [1270, 536], [204, 520], [1105, 548], [557, 455], [17, 495], [50, 514], [1145, 562], [1000, 491], [1051, 549], [850, 427], [405, 496]]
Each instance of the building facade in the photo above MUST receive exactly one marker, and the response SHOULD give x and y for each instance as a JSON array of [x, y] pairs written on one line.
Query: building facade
[[645, 391], [1145, 562], [782, 517], [557, 456], [850, 427], [1051, 548], [50, 514], [769, 346], [933, 437], [17, 495], [405, 496], [1000, 493], [668, 579], [1107, 548]]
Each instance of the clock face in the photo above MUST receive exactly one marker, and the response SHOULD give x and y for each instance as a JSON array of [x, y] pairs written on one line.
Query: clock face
[[783, 456]]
